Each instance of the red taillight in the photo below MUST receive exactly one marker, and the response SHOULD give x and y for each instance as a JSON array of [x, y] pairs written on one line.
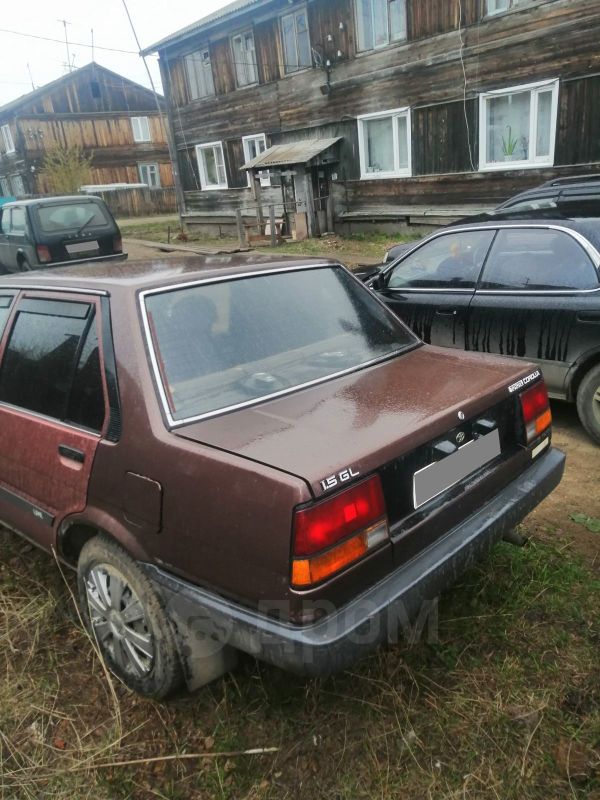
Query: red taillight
[[118, 244], [346, 525], [536, 410], [43, 253]]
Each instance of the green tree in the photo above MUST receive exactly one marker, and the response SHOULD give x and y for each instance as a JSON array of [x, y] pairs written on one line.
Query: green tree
[[65, 169]]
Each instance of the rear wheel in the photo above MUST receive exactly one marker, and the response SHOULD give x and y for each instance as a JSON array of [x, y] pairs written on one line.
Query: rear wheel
[[588, 403], [24, 264], [124, 613]]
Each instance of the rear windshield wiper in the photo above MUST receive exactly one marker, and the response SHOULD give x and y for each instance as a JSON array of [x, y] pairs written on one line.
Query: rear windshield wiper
[[85, 224]]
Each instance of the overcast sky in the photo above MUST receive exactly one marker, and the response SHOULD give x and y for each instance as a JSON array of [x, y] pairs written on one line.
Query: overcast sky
[[153, 19]]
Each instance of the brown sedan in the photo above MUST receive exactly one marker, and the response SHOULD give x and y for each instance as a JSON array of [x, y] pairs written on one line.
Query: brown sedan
[[253, 454]]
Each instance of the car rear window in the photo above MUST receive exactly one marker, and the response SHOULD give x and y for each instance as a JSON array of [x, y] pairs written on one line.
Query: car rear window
[[224, 344], [71, 216]]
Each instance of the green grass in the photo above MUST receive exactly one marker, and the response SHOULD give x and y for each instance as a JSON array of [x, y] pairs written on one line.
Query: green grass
[[495, 708]]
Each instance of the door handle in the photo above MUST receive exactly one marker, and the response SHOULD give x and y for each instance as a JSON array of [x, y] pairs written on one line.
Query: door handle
[[71, 453], [446, 312], [588, 316]]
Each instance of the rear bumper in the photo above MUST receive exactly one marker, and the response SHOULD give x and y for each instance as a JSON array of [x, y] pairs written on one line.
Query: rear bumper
[[376, 616]]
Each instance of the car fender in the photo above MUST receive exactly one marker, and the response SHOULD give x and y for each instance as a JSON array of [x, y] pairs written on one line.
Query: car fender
[[578, 369], [103, 521]]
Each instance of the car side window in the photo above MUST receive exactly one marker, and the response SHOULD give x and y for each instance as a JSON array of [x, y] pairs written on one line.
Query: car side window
[[18, 221], [5, 304], [451, 261], [537, 259], [51, 364]]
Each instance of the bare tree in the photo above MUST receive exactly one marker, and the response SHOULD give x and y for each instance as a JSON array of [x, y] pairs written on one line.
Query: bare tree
[[65, 169]]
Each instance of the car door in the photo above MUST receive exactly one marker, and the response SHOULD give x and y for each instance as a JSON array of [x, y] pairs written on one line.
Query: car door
[[431, 288], [52, 410], [537, 300], [17, 237]]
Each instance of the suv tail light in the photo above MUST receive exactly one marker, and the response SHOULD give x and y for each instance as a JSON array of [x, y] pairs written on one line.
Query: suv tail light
[[43, 253], [536, 410], [336, 532], [118, 244]]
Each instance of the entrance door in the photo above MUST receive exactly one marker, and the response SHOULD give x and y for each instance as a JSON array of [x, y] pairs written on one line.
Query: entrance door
[[321, 185]]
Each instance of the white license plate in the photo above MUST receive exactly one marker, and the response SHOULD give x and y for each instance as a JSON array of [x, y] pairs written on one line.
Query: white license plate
[[83, 247], [435, 478]]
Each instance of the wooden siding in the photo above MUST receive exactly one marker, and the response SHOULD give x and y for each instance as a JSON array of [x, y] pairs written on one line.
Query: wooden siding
[[579, 122], [441, 138], [438, 74], [39, 134]]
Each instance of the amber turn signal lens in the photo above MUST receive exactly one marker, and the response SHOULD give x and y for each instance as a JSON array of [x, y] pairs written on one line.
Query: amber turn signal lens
[[536, 410]]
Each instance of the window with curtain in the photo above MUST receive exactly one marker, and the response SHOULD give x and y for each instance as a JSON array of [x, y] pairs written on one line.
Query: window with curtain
[[380, 22], [518, 126], [296, 41], [384, 144], [198, 69], [244, 57], [141, 129]]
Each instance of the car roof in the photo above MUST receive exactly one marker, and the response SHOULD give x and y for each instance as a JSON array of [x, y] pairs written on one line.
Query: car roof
[[555, 188], [51, 201], [589, 227], [131, 276]]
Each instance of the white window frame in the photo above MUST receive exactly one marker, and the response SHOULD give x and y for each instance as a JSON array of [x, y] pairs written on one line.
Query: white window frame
[[264, 174], [395, 114], [534, 161], [289, 69], [216, 146], [237, 66], [141, 129], [204, 69], [390, 41], [145, 167], [9, 145], [495, 7]]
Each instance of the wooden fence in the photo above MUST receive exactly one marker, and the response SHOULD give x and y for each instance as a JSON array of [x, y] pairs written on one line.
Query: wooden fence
[[140, 202]]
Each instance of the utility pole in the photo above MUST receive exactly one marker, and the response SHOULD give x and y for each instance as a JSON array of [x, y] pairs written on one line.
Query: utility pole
[[65, 23], [30, 77], [93, 59]]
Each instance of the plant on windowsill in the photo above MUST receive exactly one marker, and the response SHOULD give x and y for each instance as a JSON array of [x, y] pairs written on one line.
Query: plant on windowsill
[[509, 145]]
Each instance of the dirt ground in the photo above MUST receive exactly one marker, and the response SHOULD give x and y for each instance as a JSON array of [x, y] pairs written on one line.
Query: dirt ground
[[579, 492]]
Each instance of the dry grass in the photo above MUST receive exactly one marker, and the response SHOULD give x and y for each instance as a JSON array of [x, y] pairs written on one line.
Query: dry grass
[[505, 705]]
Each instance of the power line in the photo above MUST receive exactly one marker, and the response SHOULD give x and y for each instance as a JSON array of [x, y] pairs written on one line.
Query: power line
[[73, 44]]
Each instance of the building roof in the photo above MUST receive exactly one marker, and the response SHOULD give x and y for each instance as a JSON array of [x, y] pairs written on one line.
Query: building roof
[[230, 10], [42, 91], [291, 153]]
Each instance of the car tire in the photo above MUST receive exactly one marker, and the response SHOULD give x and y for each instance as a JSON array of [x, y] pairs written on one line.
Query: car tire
[[24, 265], [588, 402], [125, 615]]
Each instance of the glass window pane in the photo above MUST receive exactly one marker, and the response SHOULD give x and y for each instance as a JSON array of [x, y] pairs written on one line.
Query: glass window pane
[[380, 22], [402, 123], [397, 20], [71, 215], [289, 43], [451, 261], [229, 343], [365, 24], [538, 259], [304, 53], [544, 123], [379, 145], [86, 400], [38, 366], [507, 123], [210, 166]]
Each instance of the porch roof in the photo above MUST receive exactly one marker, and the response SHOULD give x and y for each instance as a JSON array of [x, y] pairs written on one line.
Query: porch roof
[[282, 155]]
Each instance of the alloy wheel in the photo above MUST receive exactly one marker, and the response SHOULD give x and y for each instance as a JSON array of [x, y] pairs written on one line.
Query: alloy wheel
[[118, 621]]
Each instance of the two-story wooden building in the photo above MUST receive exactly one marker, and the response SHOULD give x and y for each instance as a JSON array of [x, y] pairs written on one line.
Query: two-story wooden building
[[424, 107], [112, 119]]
